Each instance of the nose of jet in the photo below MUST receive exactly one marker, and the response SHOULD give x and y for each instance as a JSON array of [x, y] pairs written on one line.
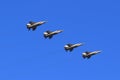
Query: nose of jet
[[98, 51], [80, 44], [60, 30], [43, 22]]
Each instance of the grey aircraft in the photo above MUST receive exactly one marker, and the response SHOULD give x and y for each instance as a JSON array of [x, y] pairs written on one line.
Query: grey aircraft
[[49, 34], [33, 25], [70, 47], [89, 54]]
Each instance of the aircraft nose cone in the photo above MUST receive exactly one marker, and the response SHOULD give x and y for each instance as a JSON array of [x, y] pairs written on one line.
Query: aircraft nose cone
[[80, 44], [60, 30], [98, 51], [44, 21]]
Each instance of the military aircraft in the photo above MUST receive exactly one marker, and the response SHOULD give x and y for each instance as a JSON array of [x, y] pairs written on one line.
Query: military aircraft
[[89, 54], [33, 25], [70, 47], [49, 34]]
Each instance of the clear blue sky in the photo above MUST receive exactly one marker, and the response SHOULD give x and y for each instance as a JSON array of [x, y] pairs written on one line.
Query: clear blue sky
[[26, 55]]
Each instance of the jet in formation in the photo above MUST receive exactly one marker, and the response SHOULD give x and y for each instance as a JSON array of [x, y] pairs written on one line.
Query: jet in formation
[[89, 54], [49, 34], [33, 25], [70, 47]]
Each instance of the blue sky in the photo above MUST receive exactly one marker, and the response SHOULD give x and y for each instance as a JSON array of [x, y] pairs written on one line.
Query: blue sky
[[26, 55]]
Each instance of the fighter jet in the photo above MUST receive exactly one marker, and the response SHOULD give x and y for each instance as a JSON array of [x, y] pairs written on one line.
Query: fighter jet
[[89, 54], [33, 25], [70, 47], [49, 34]]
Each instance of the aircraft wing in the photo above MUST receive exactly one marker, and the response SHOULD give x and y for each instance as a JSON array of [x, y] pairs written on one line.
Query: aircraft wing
[[89, 56], [87, 52], [31, 22], [33, 28], [69, 45], [50, 37], [71, 49], [48, 31]]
